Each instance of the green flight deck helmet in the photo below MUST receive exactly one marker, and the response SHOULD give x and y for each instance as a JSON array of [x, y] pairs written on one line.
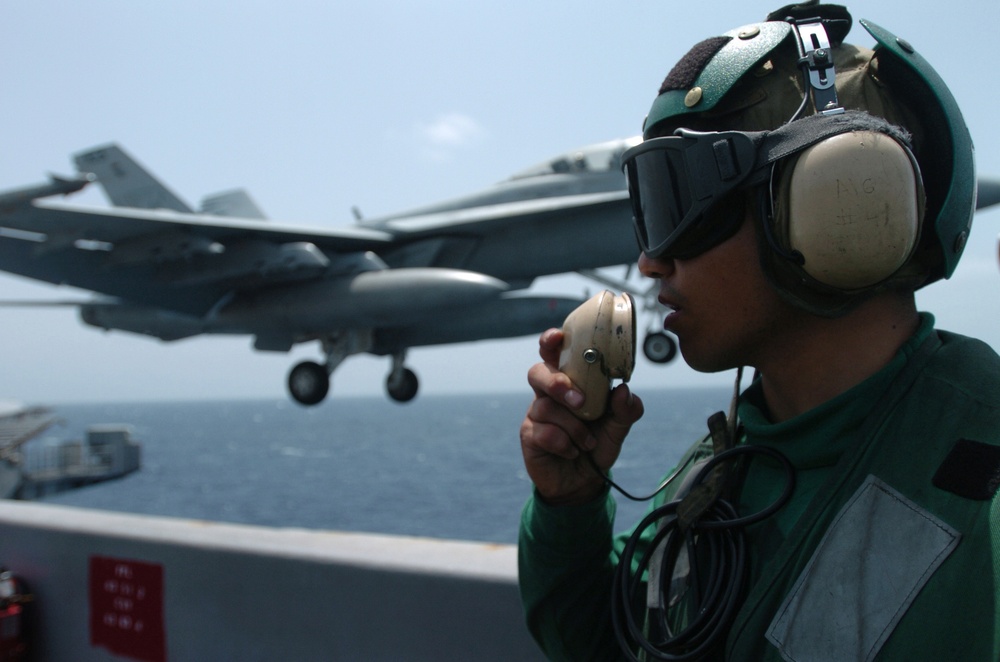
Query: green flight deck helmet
[[847, 142]]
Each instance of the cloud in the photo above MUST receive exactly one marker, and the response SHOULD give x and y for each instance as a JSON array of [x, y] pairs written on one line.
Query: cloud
[[447, 134]]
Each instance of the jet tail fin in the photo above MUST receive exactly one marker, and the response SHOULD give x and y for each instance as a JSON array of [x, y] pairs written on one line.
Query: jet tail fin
[[234, 204], [125, 182]]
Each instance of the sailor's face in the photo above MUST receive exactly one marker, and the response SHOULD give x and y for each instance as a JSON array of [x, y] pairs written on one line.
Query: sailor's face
[[722, 309]]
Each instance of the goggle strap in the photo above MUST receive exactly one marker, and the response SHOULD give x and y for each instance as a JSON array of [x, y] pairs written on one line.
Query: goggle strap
[[772, 146], [725, 160]]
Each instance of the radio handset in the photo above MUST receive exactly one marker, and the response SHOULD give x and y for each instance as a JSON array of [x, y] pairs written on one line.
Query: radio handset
[[599, 346]]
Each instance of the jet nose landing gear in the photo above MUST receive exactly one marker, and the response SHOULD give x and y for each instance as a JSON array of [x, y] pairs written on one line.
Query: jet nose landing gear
[[659, 347]]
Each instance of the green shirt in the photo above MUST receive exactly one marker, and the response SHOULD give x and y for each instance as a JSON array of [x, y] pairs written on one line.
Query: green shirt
[[874, 542]]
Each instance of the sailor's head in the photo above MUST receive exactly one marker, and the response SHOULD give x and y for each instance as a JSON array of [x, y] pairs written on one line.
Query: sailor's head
[[855, 161]]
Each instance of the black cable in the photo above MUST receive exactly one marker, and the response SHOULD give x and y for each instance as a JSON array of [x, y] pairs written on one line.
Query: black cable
[[714, 546], [621, 490]]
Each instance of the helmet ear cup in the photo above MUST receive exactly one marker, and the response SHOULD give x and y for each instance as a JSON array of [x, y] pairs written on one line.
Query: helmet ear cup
[[851, 206]]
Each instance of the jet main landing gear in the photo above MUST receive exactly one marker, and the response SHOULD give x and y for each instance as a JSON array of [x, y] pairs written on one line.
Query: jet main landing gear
[[309, 382], [402, 387], [402, 383]]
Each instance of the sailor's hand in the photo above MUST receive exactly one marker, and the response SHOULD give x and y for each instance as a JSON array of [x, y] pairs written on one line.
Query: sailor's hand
[[555, 442]]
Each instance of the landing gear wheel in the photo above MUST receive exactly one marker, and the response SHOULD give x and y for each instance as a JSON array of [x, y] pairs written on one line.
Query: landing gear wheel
[[402, 387], [659, 347], [308, 382]]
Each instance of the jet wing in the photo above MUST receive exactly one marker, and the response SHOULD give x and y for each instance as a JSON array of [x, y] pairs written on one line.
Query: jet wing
[[987, 193], [519, 241], [116, 225], [485, 219], [182, 262]]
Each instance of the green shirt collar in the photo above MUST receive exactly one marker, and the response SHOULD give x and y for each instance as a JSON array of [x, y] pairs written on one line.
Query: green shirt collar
[[820, 434]]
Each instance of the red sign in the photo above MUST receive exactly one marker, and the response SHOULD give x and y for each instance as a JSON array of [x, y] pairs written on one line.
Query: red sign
[[126, 608]]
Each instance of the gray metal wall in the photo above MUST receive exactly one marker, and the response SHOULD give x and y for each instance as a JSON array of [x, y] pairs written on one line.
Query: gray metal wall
[[246, 593]]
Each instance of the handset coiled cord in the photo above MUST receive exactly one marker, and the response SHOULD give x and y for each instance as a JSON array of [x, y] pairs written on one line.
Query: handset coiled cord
[[713, 545]]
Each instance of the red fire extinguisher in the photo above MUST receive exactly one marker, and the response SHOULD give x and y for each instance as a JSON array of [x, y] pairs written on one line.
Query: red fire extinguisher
[[13, 635]]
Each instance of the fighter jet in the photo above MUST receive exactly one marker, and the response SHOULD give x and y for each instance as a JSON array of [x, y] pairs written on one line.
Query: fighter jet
[[447, 273], [451, 272]]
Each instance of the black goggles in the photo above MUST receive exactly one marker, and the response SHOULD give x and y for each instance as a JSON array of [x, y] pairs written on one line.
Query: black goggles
[[675, 181]]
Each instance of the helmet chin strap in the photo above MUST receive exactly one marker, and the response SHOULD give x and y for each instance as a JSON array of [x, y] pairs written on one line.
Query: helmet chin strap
[[766, 206], [733, 405]]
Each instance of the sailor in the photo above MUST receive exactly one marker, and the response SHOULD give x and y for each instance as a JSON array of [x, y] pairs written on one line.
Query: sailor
[[791, 194]]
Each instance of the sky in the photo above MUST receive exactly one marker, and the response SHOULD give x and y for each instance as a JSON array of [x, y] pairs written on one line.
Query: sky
[[318, 107]]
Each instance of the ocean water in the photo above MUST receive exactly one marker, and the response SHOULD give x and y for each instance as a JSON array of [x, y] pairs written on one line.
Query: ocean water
[[440, 466]]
